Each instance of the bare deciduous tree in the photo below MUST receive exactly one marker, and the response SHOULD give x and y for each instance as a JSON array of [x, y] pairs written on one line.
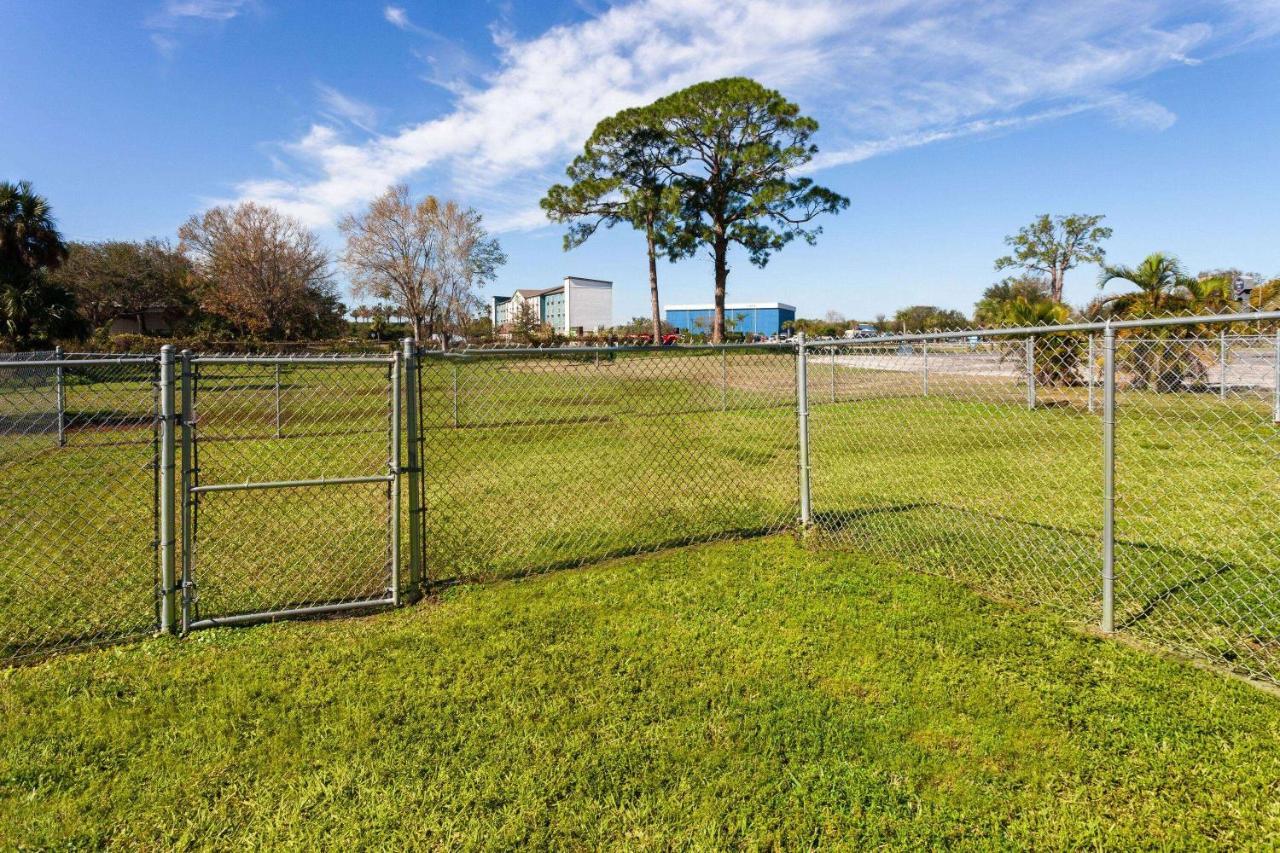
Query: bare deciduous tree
[[265, 272], [428, 258]]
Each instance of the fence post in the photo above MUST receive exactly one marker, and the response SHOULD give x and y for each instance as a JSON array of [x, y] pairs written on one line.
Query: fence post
[[926, 368], [412, 432], [1031, 372], [62, 399], [724, 381], [455, 396], [394, 470], [833, 373], [1222, 363], [1108, 477], [802, 414], [278, 435], [1089, 369], [1276, 389], [168, 542], [186, 506]]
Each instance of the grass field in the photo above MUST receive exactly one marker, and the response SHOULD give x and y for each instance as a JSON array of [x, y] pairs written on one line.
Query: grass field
[[735, 694], [543, 463]]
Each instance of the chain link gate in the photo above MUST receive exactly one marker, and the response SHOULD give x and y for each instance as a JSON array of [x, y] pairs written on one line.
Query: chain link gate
[[290, 486]]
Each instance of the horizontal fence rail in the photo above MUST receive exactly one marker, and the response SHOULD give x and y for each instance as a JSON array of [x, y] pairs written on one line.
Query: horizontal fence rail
[[1124, 473]]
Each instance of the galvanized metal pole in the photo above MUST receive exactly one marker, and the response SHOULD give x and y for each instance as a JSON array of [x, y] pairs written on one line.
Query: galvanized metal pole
[[455, 396], [1089, 370], [1108, 478], [394, 473], [1031, 372], [833, 374], [62, 401], [278, 401], [1222, 363], [412, 432], [724, 381], [168, 541], [1276, 389], [185, 506], [926, 368], [802, 414]]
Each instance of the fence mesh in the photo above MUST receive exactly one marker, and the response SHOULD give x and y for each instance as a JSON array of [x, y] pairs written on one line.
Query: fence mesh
[[981, 459], [978, 456], [261, 540], [77, 496], [549, 460]]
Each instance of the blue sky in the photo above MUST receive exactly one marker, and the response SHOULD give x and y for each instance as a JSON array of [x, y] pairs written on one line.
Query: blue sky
[[948, 124]]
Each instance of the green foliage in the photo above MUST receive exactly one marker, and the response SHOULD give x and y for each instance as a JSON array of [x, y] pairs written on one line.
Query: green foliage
[[927, 318], [1051, 245], [1018, 301], [118, 278], [34, 311], [1163, 287]]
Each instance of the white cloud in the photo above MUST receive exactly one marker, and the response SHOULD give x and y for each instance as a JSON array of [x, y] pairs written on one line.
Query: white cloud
[[397, 17], [184, 16], [881, 75], [342, 107]]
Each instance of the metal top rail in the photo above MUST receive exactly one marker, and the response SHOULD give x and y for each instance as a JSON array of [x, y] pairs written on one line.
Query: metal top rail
[[293, 359], [563, 351], [80, 362], [1020, 331]]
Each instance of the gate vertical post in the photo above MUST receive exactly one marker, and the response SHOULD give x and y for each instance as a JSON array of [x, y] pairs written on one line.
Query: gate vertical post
[[1108, 477], [724, 381], [802, 417], [1276, 380], [1089, 369], [394, 472], [833, 373], [62, 398], [926, 367], [455, 396], [1031, 372], [186, 505], [278, 399], [168, 541], [412, 431], [1222, 363]]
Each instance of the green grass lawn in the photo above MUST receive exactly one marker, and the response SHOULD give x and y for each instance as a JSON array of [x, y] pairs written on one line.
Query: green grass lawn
[[736, 694]]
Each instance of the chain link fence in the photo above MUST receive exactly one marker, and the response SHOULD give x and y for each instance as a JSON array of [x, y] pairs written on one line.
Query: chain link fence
[[539, 460], [78, 491], [1126, 475]]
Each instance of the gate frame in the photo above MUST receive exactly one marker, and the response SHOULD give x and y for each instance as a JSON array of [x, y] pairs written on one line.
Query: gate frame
[[191, 489]]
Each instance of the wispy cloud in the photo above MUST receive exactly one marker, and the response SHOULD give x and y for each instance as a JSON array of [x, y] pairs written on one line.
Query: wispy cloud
[[178, 17], [882, 76], [340, 107]]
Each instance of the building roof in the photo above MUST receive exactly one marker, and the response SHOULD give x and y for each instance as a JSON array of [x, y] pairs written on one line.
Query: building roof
[[731, 306]]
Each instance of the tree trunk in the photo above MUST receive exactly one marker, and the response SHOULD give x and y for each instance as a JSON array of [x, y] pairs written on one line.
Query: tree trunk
[[721, 251], [1056, 285], [653, 282]]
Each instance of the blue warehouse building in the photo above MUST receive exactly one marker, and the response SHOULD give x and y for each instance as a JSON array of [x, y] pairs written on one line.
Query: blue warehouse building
[[752, 318]]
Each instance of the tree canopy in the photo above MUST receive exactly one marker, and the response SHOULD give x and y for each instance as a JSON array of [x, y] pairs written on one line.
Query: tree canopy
[[118, 278], [427, 257], [1051, 245], [620, 178], [33, 310], [263, 271], [737, 146]]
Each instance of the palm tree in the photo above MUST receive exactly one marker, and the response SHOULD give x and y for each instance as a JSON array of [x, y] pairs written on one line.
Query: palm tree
[[1162, 286], [29, 237], [1166, 358]]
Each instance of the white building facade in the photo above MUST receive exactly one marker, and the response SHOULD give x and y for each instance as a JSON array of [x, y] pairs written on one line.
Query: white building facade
[[578, 305]]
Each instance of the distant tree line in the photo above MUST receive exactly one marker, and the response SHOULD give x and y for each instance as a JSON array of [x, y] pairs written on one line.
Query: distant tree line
[[244, 272]]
